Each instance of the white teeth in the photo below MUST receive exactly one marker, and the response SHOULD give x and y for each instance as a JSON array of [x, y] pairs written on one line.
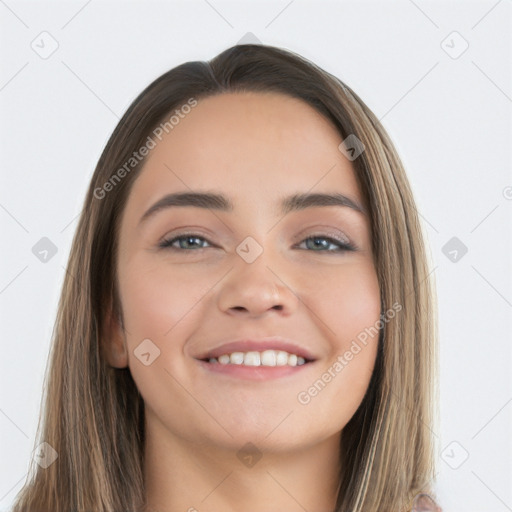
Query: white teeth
[[252, 359], [237, 358], [265, 358], [282, 358], [268, 358]]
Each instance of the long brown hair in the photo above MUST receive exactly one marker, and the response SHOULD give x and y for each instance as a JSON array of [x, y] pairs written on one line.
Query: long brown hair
[[93, 414]]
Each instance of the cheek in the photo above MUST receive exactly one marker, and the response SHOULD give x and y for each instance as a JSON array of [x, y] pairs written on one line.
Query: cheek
[[155, 299], [349, 307], [160, 305], [346, 299]]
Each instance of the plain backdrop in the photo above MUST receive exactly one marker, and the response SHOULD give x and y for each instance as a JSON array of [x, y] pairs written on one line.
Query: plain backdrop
[[438, 76]]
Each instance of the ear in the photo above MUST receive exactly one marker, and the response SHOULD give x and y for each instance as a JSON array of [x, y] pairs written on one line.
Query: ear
[[113, 343]]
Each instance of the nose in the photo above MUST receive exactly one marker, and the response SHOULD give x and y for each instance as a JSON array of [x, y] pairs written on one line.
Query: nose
[[252, 289]]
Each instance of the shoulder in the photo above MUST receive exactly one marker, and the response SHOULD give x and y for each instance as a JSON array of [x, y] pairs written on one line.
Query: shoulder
[[425, 503]]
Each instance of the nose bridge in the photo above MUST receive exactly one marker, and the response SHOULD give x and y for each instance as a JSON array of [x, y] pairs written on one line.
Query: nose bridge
[[254, 284], [254, 267]]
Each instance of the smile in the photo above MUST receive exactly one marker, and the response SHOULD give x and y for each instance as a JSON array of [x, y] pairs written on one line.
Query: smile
[[265, 358], [258, 366]]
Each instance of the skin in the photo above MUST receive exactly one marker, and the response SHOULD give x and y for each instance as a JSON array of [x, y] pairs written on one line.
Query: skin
[[254, 148]]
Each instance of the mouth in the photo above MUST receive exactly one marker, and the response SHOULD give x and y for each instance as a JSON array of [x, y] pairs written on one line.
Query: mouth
[[264, 359], [275, 351], [256, 360], [252, 372]]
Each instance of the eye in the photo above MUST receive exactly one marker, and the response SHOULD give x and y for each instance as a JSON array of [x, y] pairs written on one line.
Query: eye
[[324, 242], [320, 243], [186, 238]]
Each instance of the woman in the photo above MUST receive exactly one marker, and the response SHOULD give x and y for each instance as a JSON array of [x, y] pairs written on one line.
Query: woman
[[247, 321]]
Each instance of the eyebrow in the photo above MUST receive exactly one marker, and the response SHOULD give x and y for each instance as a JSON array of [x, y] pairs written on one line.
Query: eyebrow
[[293, 203]]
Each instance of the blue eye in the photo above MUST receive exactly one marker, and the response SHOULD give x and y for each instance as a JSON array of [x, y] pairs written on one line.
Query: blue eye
[[184, 240], [342, 246]]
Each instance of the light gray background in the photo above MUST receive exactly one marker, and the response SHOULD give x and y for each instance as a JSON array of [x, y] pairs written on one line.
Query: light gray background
[[448, 114]]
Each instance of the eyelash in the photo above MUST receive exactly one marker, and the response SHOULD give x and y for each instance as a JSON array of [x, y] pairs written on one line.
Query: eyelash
[[343, 246]]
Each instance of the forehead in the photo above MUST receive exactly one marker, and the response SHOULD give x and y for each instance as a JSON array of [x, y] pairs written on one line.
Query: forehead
[[251, 145]]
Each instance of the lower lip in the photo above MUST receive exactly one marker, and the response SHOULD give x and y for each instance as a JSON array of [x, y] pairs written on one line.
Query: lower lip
[[253, 372]]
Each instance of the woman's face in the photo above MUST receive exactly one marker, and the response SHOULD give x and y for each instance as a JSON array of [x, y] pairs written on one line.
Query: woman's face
[[271, 276]]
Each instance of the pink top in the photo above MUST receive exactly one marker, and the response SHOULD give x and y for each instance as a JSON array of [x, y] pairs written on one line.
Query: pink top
[[425, 503]]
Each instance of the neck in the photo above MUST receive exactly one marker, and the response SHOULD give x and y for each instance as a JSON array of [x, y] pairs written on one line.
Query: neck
[[181, 476]]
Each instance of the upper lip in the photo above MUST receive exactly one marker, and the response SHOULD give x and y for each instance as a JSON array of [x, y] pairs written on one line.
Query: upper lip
[[258, 345]]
